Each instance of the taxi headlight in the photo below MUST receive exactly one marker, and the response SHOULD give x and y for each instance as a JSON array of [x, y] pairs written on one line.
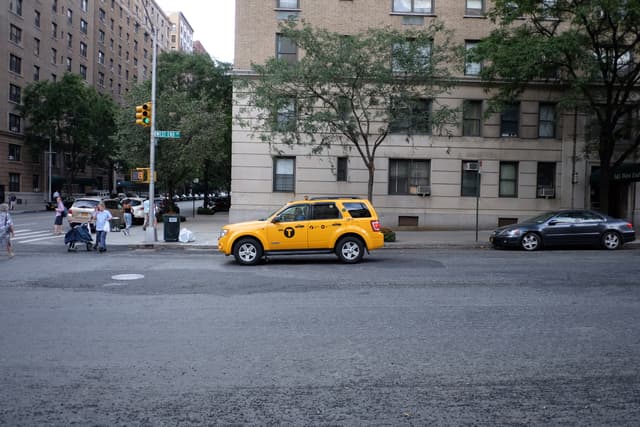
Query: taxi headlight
[[223, 233]]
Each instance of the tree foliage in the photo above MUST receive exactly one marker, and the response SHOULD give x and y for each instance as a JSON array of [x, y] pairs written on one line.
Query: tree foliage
[[194, 97], [74, 117], [590, 48], [346, 90]]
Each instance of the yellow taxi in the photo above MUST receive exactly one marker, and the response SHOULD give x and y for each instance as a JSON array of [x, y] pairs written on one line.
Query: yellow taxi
[[345, 226]]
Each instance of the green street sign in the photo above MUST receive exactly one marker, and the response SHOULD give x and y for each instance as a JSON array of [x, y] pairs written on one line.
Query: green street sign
[[167, 134]]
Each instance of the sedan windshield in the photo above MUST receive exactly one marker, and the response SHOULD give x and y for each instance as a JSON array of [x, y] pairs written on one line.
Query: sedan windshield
[[540, 218]]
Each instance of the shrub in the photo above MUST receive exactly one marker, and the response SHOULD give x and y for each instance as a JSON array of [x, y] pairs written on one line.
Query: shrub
[[389, 234]]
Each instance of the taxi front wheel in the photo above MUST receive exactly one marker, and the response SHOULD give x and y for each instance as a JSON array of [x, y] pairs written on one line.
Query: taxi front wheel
[[350, 249], [247, 251]]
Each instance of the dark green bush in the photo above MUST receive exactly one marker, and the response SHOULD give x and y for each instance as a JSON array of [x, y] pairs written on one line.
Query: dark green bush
[[389, 234]]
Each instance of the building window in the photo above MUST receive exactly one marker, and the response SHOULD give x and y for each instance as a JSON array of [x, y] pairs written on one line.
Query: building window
[[285, 118], [546, 180], [288, 4], [101, 36], [35, 183], [68, 64], [54, 30], [509, 120], [286, 49], [36, 73], [14, 93], [15, 34], [284, 174], [412, 116], [84, 5], [14, 152], [69, 16], [472, 118], [84, 27], [36, 47], [100, 57], [508, 186], [413, 6], [83, 71], [470, 186], [14, 182], [54, 56], [409, 55], [15, 64], [16, 7], [101, 79], [471, 68], [547, 121], [36, 19], [83, 49], [341, 168], [474, 7], [408, 176], [102, 15], [54, 6], [69, 40], [14, 123]]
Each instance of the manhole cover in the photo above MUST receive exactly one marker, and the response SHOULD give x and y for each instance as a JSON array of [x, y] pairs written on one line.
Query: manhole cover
[[128, 276]]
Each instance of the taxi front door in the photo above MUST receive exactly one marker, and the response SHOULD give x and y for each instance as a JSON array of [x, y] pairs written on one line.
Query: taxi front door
[[287, 234]]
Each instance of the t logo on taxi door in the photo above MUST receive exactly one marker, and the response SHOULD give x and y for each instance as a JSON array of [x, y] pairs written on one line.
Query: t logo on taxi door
[[289, 232]]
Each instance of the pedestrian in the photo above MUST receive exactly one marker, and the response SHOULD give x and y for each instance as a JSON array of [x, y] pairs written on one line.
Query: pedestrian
[[56, 195], [12, 202], [146, 209], [60, 214], [103, 226], [6, 229], [128, 216]]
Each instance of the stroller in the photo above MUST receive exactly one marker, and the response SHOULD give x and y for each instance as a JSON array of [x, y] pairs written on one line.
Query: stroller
[[78, 234]]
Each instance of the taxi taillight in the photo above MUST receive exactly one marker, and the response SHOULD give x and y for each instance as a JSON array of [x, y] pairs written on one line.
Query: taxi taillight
[[375, 225]]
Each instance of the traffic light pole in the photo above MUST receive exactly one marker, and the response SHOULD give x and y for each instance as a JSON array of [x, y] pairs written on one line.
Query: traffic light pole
[[151, 234]]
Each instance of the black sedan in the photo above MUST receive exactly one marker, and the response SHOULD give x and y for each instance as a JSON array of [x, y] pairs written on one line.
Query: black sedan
[[566, 227]]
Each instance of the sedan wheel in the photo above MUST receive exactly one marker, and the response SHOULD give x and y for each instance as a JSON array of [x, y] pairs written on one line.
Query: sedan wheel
[[350, 250], [611, 240], [247, 252], [530, 242]]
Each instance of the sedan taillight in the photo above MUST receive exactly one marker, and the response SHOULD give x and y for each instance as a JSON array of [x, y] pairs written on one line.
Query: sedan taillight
[[375, 225]]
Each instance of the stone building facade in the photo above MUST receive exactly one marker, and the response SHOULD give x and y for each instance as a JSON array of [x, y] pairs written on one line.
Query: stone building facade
[[526, 160]]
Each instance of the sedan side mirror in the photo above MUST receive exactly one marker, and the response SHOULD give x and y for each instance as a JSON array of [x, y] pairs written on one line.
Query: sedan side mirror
[[553, 222]]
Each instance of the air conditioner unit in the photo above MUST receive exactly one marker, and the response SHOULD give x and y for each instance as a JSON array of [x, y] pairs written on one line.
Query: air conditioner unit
[[546, 192], [11, 158], [472, 166], [14, 129], [423, 190]]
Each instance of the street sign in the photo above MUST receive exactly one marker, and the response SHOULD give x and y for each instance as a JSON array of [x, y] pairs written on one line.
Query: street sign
[[167, 134]]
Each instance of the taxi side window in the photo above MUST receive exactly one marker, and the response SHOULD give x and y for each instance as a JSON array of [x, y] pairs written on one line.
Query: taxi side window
[[357, 210], [325, 211]]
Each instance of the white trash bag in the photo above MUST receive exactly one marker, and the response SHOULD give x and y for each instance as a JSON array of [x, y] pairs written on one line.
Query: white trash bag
[[186, 236]]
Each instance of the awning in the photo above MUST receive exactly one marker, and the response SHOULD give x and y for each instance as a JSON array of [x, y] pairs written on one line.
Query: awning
[[627, 172]]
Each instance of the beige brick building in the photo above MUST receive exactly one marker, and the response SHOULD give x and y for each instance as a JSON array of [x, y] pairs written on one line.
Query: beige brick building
[[107, 42]]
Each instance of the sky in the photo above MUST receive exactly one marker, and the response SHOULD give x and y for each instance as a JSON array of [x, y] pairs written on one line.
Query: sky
[[212, 22]]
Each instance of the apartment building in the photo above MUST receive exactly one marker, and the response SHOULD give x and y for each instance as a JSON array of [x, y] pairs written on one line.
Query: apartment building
[[107, 42], [181, 33], [527, 159]]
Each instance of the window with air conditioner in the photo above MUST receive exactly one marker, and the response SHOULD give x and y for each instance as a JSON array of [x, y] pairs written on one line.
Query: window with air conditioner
[[509, 120], [470, 183], [546, 180], [408, 176]]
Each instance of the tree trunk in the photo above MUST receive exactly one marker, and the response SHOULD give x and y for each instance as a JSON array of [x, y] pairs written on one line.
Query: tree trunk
[[372, 169]]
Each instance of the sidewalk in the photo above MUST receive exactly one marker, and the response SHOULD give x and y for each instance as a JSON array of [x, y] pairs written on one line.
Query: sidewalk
[[206, 229]]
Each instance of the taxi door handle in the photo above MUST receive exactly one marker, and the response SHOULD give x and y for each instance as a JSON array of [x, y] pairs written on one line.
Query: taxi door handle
[[337, 224], [299, 226]]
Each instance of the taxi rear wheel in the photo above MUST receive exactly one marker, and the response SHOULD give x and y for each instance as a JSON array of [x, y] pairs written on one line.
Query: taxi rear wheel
[[247, 251], [350, 249]]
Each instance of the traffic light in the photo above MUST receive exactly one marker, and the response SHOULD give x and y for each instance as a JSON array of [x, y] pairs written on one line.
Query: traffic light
[[143, 114]]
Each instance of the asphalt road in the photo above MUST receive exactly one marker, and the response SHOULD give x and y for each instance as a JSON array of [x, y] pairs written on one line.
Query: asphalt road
[[407, 337]]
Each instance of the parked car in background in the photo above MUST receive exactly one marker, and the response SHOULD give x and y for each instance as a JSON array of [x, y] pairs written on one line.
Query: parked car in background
[[565, 227], [117, 212], [345, 226], [81, 211]]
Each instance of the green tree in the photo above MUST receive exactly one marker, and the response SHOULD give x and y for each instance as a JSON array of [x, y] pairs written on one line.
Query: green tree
[[77, 120], [351, 91], [194, 97], [590, 49]]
